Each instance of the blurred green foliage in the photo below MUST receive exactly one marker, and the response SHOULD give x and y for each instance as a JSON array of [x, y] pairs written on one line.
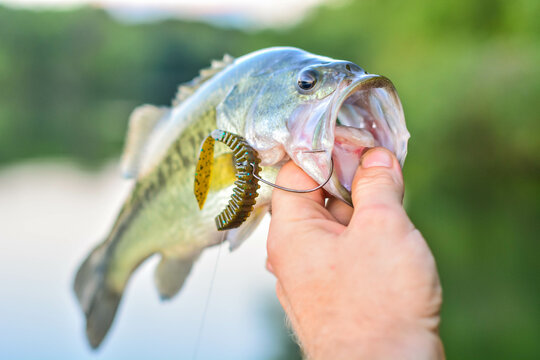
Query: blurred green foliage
[[469, 77]]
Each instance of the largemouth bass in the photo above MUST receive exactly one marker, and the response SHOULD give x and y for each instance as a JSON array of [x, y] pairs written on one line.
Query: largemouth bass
[[287, 104]]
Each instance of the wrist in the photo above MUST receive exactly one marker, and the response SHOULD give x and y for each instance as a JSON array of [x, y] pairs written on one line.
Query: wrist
[[395, 341]]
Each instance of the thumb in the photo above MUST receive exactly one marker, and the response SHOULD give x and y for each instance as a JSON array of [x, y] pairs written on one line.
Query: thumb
[[378, 182]]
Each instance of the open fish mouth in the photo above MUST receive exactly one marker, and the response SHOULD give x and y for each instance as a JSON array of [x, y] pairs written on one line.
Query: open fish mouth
[[367, 113]]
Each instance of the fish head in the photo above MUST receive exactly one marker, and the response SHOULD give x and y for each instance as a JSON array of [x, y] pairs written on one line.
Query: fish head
[[324, 114]]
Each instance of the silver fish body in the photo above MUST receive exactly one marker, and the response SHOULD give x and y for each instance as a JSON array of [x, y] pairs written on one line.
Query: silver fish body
[[285, 102]]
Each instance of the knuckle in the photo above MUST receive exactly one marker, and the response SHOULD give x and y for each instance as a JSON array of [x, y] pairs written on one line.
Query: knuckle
[[273, 249], [380, 178]]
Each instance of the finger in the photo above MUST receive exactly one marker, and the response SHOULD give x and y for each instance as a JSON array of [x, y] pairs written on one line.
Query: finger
[[289, 212], [291, 207], [339, 210], [378, 183]]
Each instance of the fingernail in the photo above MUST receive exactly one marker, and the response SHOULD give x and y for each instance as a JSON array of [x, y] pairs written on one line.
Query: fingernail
[[376, 157]]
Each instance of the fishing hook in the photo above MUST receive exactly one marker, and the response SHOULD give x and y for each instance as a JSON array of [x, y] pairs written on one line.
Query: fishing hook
[[295, 190]]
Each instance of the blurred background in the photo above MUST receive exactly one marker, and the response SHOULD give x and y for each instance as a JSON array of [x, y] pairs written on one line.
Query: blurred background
[[71, 71]]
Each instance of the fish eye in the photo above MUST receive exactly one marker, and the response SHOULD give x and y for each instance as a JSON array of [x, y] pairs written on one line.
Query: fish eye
[[307, 80]]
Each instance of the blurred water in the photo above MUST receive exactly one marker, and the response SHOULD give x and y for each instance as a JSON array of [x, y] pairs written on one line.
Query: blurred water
[[52, 214]]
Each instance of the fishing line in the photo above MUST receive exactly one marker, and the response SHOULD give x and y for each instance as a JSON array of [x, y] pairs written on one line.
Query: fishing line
[[207, 302]]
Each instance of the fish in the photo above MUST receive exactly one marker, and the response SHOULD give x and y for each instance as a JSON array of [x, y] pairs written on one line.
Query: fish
[[288, 104]]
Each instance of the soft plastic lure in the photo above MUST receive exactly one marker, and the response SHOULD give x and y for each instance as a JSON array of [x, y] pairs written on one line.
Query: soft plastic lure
[[246, 163]]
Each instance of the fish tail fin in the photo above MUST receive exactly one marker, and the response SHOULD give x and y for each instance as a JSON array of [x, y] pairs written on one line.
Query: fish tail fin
[[97, 300]]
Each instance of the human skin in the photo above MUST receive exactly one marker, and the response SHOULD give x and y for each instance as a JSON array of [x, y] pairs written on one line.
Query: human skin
[[355, 283]]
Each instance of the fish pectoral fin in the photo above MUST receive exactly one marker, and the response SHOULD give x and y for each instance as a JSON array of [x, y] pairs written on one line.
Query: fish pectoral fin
[[171, 274], [237, 236], [142, 124]]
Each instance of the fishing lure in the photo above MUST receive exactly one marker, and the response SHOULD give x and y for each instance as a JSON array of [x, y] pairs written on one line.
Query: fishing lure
[[246, 163]]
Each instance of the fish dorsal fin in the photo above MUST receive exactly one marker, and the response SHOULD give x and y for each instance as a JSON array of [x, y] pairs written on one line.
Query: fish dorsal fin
[[187, 89], [142, 123]]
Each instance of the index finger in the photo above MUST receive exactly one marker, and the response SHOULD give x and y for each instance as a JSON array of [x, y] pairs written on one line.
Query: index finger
[[291, 207]]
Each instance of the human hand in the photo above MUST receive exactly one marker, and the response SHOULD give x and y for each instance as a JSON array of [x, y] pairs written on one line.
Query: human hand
[[355, 283]]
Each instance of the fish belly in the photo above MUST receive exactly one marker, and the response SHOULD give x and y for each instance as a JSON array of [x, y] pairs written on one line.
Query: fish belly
[[170, 224]]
